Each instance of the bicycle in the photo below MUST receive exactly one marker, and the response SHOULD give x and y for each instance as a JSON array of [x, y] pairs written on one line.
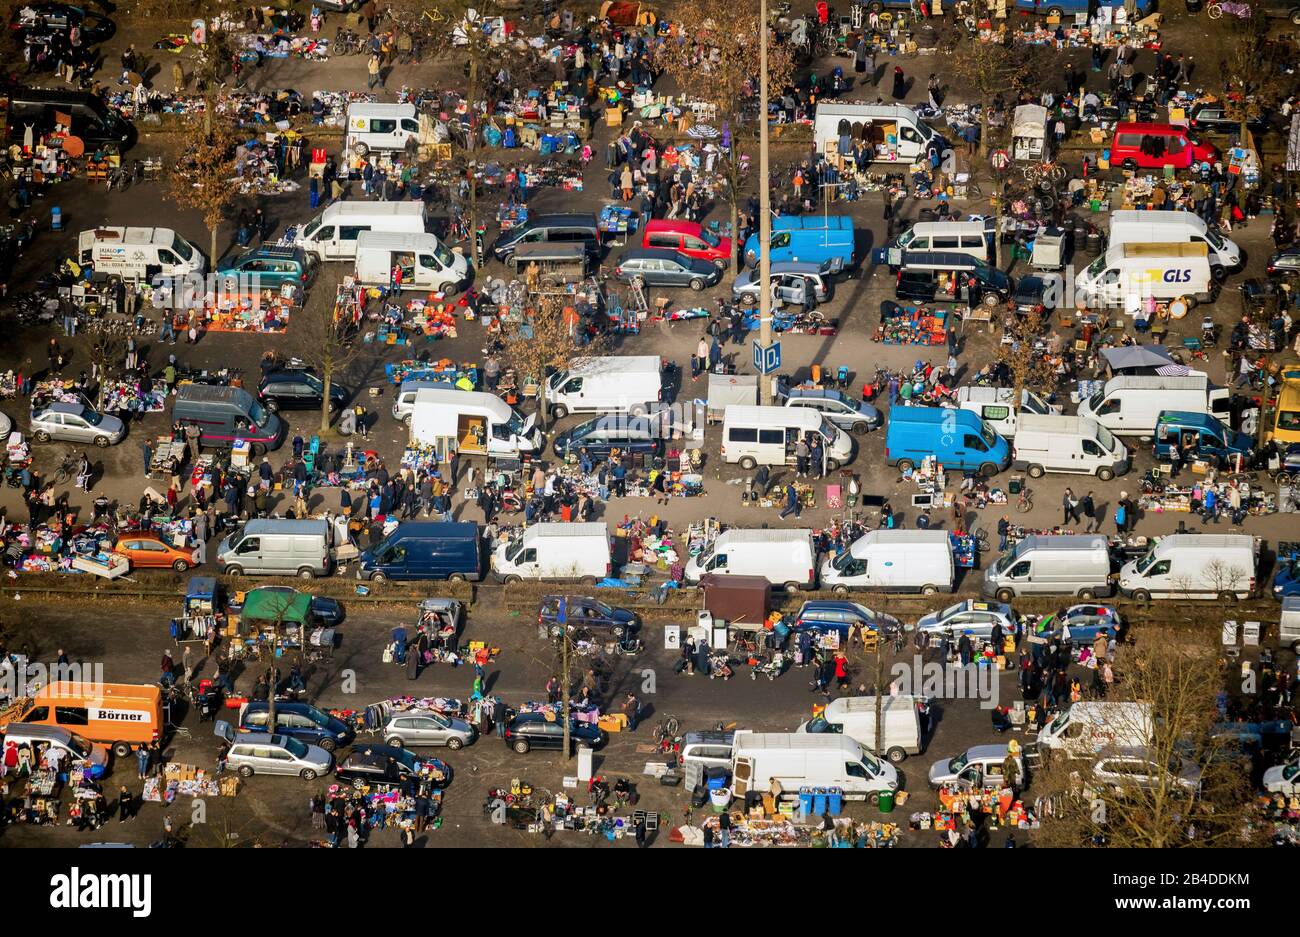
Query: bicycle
[[667, 730], [1045, 175], [67, 470], [1025, 503], [1240, 10]]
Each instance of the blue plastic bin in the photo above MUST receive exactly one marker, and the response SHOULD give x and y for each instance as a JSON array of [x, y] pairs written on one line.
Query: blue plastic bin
[[834, 801], [805, 800], [819, 801]]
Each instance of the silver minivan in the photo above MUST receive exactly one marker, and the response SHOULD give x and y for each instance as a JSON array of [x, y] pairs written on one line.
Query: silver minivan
[[980, 765], [75, 422], [278, 547], [428, 728], [260, 753]]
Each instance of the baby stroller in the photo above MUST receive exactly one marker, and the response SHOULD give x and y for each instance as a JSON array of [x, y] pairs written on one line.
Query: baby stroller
[[771, 669], [720, 666]]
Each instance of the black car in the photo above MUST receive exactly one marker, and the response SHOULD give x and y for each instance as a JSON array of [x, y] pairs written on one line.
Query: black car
[[41, 19], [1285, 262], [604, 434], [299, 389], [1046, 290], [387, 766], [533, 730], [585, 614], [1211, 116]]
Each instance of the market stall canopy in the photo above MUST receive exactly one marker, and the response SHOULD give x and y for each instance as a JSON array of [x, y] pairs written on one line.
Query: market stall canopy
[[1136, 357], [1030, 121], [276, 605]]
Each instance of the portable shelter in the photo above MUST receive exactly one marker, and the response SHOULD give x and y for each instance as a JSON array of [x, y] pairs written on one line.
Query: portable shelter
[[1029, 132]]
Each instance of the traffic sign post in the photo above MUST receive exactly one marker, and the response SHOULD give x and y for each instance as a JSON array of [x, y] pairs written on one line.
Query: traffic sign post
[[767, 358]]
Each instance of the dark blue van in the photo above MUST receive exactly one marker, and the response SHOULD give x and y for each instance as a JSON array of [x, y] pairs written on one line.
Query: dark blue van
[[425, 550], [301, 721]]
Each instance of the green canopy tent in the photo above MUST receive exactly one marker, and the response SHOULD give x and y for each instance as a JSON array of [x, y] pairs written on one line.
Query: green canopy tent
[[280, 612]]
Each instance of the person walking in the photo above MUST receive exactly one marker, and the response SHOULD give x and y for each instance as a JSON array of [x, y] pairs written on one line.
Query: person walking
[[1089, 509], [1069, 507], [632, 709], [900, 83], [374, 73]]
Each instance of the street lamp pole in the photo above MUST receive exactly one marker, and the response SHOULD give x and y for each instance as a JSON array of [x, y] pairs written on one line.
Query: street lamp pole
[[764, 209]]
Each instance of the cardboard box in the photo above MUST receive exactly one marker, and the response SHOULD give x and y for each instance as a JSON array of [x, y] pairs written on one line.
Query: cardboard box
[[613, 116]]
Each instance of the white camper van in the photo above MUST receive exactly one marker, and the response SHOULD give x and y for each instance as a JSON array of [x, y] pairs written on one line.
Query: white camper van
[[755, 436], [783, 557], [893, 561], [333, 234], [1193, 566], [471, 423], [138, 253], [426, 263], [606, 384], [1072, 444], [1175, 227], [855, 716], [384, 127], [799, 759], [1130, 405], [993, 406], [555, 552]]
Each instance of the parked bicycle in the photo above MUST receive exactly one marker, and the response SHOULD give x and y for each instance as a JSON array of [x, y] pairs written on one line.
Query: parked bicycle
[[1218, 10], [1025, 503]]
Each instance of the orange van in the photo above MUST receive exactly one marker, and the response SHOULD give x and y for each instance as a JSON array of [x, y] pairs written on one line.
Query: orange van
[[120, 716]]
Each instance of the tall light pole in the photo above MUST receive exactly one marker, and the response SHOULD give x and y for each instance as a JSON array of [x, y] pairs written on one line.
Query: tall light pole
[[764, 210]]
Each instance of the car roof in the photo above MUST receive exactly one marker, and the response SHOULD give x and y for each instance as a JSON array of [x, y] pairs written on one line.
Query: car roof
[[813, 393], [65, 406], [833, 605], [986, 751], [655, 253]]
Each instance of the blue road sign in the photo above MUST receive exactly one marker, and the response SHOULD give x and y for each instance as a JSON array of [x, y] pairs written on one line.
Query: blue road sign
[[767, 359]]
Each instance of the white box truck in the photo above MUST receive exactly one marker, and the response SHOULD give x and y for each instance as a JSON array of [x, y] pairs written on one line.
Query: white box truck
[[138, 253], [1048, 564], [426, 263], [1175, 227], [1130, 405], [1092, 727], [754, 436], [606, 384], [472, 423], [1126, 274], [1193, 566], [800, 759], [333, 234], [555, 552], [993, 406], [783, 557], [855, 716], [893, 561], [1071, 444]]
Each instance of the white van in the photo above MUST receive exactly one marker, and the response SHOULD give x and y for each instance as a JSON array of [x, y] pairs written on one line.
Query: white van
[[1126, 274], [472, 423], [383, 127], [855, 716], [1089, 728], [276, 546], [893, 132], [799, 759], [1193, 566], [974, 238], [756, 436], [1073, 444], [427, 265], [1130, 405], [333, 234], [1175, 227], [893, 561], [606, 384], [556, 552], [1047, 564], [993, 406], [138, 253], [783, 557]]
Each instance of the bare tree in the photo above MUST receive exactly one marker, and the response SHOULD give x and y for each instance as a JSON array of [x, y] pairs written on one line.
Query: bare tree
[[989, 69], [546, 339], [1029, 369], [325, 336], [1252, 67]]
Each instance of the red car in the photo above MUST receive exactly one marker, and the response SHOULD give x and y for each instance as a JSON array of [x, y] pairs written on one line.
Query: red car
[[1154, 146], [689, 238]]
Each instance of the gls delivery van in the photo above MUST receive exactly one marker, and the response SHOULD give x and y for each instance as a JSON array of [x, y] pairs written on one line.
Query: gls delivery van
[[754, 436], [1131, 405], [138, 253], [782, 557], [893, 561], [606, 384], [993, 406], [1175, 227], [1069, 564], [957, 438], [555, 552], [472, 423], [333, 234], [855, 717], [119, 716], [1129, 273], [1193, 566], [799, 759], [1071, 444], [426, 263]]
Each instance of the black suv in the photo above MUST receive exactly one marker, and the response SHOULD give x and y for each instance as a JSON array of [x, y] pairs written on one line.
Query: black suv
[[604, 434], [370, 765], [585, 614], [41, 19], [299, 389], [533, 730]]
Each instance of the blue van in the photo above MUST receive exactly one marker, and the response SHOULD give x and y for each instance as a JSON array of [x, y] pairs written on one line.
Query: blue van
[[1065, 8], [301, 721], [1200, 434], [957, 438], [425, 550], [815, 239]]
